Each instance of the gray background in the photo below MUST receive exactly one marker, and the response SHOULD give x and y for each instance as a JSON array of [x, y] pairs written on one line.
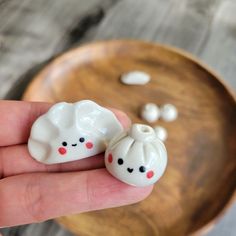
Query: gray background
[[32, 32]]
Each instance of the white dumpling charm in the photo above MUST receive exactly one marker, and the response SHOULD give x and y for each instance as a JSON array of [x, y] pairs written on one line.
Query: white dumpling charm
[[72, 131], [137, 157]]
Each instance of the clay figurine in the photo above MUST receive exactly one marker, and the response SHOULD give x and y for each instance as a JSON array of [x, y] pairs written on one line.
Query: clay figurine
[[136, 157], [72, 131], [150, 112], [135, 78], [169, 112], [161, 133]]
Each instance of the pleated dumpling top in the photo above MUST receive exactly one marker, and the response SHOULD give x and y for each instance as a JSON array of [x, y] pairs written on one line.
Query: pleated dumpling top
[[72, 131], [137, 157]]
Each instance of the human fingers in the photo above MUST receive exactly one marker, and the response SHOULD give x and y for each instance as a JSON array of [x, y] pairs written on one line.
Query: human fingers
[[37, 197], [15, 160]]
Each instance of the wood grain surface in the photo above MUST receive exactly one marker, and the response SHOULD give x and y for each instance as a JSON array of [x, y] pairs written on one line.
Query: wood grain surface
[[201, 143], [32, 32]]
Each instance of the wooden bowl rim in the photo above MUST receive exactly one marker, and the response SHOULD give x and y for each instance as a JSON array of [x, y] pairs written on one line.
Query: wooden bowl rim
[[76, 50]]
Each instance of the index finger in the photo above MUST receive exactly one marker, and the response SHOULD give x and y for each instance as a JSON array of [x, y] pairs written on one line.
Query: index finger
[[36, 197], [17, 117]]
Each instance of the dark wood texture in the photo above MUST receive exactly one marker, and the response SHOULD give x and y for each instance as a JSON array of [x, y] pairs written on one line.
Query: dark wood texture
[[200, 179]]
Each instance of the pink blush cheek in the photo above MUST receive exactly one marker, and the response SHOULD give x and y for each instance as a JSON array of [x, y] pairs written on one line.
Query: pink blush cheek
[[62, 150], [150, 174], [110, 158], [89, 145]]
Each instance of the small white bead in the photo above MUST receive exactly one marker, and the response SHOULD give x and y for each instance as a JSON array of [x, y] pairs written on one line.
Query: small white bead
[[150, 112], [161, 133], [135, 78], [169, 112]]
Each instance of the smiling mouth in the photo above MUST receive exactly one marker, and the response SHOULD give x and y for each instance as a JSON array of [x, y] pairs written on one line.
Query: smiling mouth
[[130, 170], [74, 144]]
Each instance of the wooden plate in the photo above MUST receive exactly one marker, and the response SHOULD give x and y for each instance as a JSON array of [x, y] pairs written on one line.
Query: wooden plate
[[200, 178]]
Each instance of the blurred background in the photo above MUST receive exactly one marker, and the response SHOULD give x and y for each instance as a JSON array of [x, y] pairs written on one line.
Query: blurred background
[[33, 32]]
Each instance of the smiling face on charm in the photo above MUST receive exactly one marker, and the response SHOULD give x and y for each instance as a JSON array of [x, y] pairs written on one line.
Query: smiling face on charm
[[74, 145], [132, 172], [65, 146]]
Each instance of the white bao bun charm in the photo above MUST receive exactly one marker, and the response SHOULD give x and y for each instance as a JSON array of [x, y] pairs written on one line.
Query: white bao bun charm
[[72, 131], [169, 112], [161, 133], [135, 78], [136, 157], [150, 112]]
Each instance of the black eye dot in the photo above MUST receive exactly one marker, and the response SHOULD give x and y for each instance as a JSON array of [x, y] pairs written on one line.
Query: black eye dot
[[120, 161], [64, 143], [142, 169], [81, 140]]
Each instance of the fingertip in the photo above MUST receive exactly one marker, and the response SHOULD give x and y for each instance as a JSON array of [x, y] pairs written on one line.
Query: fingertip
[[122, 117], [137, 194], [107, 191], [141, 193]]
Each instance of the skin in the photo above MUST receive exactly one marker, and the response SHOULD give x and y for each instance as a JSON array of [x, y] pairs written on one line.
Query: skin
[[32, 192]]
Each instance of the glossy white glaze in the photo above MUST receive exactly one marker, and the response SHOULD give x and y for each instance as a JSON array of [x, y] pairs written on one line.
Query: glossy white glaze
[[72, 131], [161, 133], [150, 112], [169, 112], [136, 157], [135, 78]]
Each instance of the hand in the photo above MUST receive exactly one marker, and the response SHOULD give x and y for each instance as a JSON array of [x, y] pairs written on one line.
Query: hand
[[31, 191]]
